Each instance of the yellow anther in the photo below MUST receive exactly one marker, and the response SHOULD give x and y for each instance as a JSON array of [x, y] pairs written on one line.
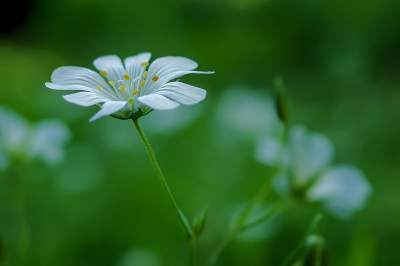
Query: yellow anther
[[144, 64], [135, 92], [122, 88], [155, 78], [127, 77], [103, 73], [142, 83], [145, 74], [112, 83], [98, 87]]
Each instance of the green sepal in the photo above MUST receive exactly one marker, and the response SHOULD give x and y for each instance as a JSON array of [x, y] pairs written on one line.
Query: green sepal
[[137, 115], [199, 222]]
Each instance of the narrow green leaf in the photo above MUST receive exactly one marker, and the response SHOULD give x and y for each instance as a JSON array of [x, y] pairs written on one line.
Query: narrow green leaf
[[199, 222]]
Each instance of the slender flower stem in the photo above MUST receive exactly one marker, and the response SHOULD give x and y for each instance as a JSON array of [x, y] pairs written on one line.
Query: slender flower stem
[[315, 228], [192, 253], [240, 223], [179, 213]]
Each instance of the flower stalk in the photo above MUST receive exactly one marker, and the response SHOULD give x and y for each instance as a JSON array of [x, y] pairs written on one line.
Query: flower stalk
[[184, 222], [241, 223]]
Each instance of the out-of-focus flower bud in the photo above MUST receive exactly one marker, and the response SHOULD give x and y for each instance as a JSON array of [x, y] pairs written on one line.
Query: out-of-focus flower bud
[[281, 100], [199, 222]]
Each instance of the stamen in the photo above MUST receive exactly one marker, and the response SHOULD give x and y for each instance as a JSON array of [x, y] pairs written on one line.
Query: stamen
[[155, 78], [144, 64], [145, 74], [112, 83], [103, 73], [98, 87], [122, 88], [130, 100], [142, 83], [135, 92], [127, 77]]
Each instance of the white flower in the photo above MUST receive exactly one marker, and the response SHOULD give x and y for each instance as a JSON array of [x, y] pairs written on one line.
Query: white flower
[[21, 141], [129, 91], [342, 189]]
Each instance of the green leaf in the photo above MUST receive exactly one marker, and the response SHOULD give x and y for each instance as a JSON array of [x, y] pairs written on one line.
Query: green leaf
[[199, 222]]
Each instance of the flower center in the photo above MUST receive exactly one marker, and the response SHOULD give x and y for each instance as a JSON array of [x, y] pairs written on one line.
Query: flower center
[[128, 86]]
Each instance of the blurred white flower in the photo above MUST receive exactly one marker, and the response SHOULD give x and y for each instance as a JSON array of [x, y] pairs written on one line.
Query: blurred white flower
[[131, 91], [342, 189], [19, 140]]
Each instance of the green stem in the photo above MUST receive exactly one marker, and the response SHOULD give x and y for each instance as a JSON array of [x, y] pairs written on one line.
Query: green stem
[[278, 207], [192, 253], [217, 253], [239, 227], [179, 213], [315, 227], [259, 197]]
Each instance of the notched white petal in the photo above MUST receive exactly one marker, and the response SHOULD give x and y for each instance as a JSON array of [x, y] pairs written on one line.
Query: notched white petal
[[110, 108], [67, 87], [158, 102], [48, 140], [175, 62], [182, 93], [110, 66], [165, 77], [71, 75], [133, 64], [310, 153], [343, 188], [268, 151], [84, 98]]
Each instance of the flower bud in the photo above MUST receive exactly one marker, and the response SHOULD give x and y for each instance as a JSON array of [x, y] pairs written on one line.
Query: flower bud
[[281, 100], [199, 222]]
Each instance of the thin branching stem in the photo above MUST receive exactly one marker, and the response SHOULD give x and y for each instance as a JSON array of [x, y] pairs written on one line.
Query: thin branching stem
[[185, 224]]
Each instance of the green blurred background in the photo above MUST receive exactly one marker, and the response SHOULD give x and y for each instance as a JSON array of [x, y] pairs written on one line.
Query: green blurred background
[[104, 205]]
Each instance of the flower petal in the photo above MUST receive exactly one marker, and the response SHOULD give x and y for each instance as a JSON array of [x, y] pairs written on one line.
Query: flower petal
[[85, 98], [310, 153], [268, 151], [14, 129], [182, 93], [133, 65], [158, 102], [164, 69], [79, 78], [110, 108], [48, 140], [112, 65], [177, 62], [343, 188]]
